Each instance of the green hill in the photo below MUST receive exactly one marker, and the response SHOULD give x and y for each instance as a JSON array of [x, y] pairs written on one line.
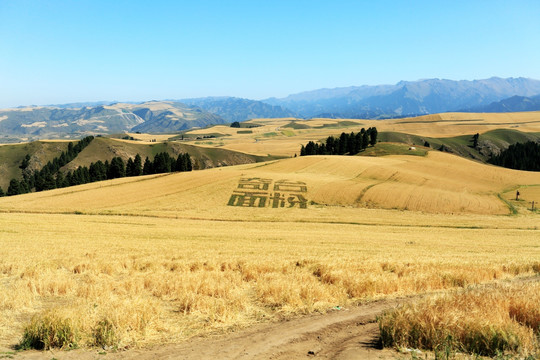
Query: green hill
[[102, 148], [491, 142], [11, 157]]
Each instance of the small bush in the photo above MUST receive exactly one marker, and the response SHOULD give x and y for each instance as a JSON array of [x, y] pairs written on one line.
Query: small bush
[[49, 331], [105, 334]]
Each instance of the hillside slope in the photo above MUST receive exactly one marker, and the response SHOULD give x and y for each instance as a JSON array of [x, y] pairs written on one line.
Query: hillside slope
[[102, 148], [285, 136], [489, 143], [11, 157], [308, 187]]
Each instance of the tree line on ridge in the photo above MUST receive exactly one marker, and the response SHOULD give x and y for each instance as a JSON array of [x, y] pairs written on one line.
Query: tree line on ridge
[[350, 144], [51, 177]]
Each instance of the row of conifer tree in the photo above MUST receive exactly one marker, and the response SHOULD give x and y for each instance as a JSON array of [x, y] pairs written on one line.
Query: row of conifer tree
[[519, 156], [51, 177], [350, 144]]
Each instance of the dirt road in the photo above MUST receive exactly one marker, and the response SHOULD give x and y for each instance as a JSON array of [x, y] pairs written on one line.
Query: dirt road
[[344, 334]]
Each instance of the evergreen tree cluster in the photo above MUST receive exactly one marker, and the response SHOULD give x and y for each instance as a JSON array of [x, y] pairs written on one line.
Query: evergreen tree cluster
[[45, 178], [350, 144], [520, 156], [164, 163], [50, 176]]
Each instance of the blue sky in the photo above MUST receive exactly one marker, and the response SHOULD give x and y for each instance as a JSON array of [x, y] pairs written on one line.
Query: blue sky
[[68, 51]]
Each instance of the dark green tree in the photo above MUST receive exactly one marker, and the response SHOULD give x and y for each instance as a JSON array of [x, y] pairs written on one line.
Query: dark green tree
[[189, 165], [342, 144], [519, 156], [97, 171], [475, 140], [235, 124], [351, 144], [129, 167], [61, 180], [25, 162], [2, 192], [116, 169], [181, 164], [162, 163], [23, 187], [373, 136], [365, 139], [137, 165], [148, 167], [14, 187]]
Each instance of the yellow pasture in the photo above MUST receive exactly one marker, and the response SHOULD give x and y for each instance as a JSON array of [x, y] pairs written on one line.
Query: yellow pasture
[[166, 279], [161, 258], [437, 125], [437, 183]]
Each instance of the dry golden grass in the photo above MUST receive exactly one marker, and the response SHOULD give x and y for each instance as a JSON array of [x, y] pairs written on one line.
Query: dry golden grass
[[438, 183], [488, 322], [163, 280], [161, 258]]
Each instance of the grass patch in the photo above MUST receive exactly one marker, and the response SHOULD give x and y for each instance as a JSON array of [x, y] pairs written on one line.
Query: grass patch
[[295, 125], [384, 149], [510, 206], [49, 331], [490, 322], [105, 333], [288, 133], [244, 132], [188, 136], [339, 124], [270, 134]]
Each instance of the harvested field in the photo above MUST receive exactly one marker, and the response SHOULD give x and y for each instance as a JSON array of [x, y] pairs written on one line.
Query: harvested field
[[162, 258]]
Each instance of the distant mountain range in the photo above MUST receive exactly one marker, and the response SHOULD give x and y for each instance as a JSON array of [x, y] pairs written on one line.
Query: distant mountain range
[[53, 122], [406, 98], [511, 104], [238, 109]]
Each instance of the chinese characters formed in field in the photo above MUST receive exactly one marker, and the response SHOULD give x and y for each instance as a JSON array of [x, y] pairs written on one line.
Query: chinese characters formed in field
[[259, 192]]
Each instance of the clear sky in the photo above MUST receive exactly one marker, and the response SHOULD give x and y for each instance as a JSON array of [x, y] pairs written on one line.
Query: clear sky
[[88, 50]]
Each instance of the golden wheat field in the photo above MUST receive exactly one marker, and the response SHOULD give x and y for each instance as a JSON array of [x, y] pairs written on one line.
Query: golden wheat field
[[161, 258], [283, 137]]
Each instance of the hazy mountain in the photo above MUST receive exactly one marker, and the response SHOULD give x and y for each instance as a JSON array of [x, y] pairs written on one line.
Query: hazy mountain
[[171, 116], [407, 97], [78, 105], [53, 122], [512, 104], [238, 109], [42, 122]]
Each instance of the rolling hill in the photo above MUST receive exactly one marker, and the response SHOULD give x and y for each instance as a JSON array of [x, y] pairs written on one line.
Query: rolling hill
[[102, 148], [436, 183], [284, 137]]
